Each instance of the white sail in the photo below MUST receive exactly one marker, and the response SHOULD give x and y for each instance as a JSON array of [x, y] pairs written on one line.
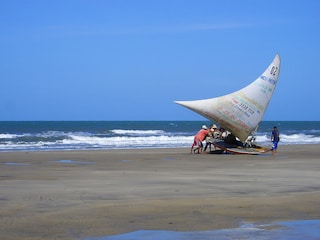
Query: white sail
[[240, 112]]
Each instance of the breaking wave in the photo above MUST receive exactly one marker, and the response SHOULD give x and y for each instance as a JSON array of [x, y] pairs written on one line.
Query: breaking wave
[[107, 135]]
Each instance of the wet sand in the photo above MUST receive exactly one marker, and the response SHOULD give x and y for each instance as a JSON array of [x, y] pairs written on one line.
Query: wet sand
[[78, 194]]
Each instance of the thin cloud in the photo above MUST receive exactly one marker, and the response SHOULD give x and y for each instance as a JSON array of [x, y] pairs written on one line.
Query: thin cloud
[[71, 30], [209, 27], [163, 29]]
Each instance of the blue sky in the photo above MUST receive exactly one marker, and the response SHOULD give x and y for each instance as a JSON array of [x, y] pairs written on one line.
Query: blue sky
[[129, 60]]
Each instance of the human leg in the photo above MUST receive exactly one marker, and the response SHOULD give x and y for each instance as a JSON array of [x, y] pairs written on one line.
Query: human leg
[[274, 148]]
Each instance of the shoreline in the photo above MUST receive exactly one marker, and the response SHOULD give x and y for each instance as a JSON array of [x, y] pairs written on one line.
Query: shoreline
[[78, 194], [264, 145]]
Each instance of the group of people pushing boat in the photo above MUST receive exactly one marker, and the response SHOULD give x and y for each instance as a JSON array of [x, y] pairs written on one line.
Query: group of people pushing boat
[[213, 134], [210, 135]]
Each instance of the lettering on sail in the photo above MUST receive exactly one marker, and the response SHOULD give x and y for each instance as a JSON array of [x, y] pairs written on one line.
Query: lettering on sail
[[269, 80], [243, 107], [234, 120]]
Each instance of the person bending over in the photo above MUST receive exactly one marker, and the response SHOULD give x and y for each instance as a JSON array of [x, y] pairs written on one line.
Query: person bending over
[[198, 138]]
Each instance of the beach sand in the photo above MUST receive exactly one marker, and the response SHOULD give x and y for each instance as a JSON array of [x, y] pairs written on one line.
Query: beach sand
[[78, 194]]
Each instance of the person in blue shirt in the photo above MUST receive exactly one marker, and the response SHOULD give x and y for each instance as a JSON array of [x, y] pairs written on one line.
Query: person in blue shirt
[[275, 139]]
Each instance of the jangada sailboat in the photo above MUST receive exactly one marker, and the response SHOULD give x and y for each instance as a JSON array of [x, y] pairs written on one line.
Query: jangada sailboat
[[240, 112]]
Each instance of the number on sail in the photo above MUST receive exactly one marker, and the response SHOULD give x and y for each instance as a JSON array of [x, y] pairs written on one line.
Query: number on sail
[[273, 70]]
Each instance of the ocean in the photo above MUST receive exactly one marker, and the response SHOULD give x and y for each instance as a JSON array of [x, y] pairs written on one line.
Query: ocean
[[89, 135]]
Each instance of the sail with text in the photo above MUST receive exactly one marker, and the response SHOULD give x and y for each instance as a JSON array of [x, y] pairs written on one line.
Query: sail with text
[[240, 112]]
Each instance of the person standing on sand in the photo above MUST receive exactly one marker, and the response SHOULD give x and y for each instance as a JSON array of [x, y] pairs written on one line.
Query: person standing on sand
[[275, 139], [209, 138], [212, 137], [198, 138]]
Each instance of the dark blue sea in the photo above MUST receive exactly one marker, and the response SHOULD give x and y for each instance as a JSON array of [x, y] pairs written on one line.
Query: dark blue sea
[[86, 135]]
